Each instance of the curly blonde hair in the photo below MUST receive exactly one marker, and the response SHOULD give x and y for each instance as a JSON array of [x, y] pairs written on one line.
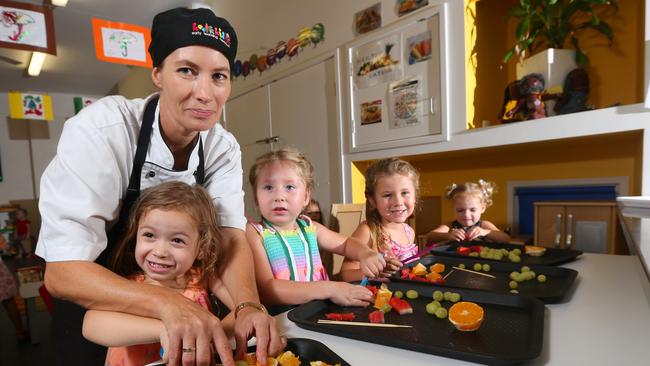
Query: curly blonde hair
[[286, 155], [481, 189], [377, 170], [181, 197]]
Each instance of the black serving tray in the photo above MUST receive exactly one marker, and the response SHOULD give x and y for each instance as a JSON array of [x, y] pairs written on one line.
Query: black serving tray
[[310, 350], [552, 256], [512, 329], [558, 280]]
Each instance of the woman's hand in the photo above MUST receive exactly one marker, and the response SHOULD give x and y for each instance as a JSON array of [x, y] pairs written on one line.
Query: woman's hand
[[372, 263], [253, 322], [347, 294]]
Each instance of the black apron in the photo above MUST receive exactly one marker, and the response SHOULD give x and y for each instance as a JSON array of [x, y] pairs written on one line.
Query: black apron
[[67, 317]]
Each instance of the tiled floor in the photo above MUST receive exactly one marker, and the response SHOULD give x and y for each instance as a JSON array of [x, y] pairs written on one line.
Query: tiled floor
[[25, 353]]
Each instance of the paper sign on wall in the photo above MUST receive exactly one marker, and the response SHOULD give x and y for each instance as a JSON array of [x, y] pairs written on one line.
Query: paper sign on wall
[[378, 61], [82, 102], [121, 43], [30, 106]]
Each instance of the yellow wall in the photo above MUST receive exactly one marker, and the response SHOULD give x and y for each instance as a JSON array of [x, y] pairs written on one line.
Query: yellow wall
[[562, 159], [618, 68]]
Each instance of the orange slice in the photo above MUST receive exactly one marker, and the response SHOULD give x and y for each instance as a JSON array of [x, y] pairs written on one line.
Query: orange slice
[[437, 268], [288, 359], [434, 276], [466, 316], [419, 270], [535, 251]]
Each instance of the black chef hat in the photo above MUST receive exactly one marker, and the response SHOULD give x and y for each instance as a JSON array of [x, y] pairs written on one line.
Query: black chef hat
[[181, 27]]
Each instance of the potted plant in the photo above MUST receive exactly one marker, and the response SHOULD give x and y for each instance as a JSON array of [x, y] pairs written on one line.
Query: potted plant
[[556, 24]]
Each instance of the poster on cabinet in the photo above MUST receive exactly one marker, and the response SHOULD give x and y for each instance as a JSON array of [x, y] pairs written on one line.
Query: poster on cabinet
[[395, 83]]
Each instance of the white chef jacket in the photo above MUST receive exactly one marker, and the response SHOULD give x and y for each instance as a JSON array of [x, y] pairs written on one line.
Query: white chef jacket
[[83, 186]]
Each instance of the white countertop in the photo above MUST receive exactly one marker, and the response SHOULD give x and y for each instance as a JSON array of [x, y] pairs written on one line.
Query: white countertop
[[604, 321]]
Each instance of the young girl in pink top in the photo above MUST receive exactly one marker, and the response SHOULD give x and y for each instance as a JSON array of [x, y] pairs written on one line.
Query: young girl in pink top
[[392, 187]]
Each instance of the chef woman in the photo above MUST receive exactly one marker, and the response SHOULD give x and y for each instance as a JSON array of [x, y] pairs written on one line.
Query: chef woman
[[117, 147]]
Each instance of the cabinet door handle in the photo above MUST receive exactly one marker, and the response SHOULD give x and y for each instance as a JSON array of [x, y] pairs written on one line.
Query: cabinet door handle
[[558, 230], [268, 140], [569, 231]]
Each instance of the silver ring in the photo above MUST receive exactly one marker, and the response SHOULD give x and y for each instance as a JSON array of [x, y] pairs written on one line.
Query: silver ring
[[187, 350]]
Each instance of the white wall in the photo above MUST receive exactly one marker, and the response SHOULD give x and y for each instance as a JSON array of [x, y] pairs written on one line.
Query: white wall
[[19, 183]]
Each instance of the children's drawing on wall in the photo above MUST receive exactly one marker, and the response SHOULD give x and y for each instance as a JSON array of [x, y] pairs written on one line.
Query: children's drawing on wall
[[82, 102], [407, 6], [22, 26], [404, 101], [368, 19], [123, 44], [30, 106], [371, 112], [419, 47], [378, 61]]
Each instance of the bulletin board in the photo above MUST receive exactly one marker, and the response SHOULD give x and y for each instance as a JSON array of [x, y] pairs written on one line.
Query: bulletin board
[[395, 83]]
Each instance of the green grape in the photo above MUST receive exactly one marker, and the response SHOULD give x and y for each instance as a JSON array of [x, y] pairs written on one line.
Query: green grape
[[525, 269], [447, 295], [483, 254], [498, 256], [432, 307], [398, 294], [473, 254], [513, 284], [533, 274], [412, 294], [513, 275], [517, 251], [441, 312], [520, 277], [486, 267], [455, 297], [462, 265], [477, 266], [438, 295], [386, 308], [515, 259], [541, 278], [514, 291], [529, 275]]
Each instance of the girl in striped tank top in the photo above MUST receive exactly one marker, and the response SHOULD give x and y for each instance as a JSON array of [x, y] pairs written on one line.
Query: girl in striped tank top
[[285, 244]]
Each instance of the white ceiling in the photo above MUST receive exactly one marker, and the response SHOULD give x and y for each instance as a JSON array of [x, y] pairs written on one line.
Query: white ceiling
[[75, 69]]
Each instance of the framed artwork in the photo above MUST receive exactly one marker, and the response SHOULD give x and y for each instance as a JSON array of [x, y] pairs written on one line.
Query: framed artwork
[[121, 42], [367, 19], [395, 83], [27, 27]]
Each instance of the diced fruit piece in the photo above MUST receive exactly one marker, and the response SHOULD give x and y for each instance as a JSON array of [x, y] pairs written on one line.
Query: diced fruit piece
[[514, 275], [462, 265], [412, 294], [541, 278], [447, 295], [466, 316], [517, 251], [376, 316], [463, 250], [473, 254], [405, 273], [514, 291], [437, 268], [386, 308], [401, 306], [478, 266], [382, 297], [513, 284], [340, 316], [372, 289], [432, 307], [535, 251], [433, 276], [438, 295], [288, 358], [398, 294], [486, 267], [454, 297], [441, 312], [525, 269], [419, 269]]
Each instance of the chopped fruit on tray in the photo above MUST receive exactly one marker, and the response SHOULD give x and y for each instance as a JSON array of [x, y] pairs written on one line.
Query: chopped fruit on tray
[[376, 316], [420, 273], [466, 316], [383, 296], [372, 289], [486, 252], [535, 251], [437, 268], [412, 294], [419, 270], [287, 358], [401, 306], [340, 316]]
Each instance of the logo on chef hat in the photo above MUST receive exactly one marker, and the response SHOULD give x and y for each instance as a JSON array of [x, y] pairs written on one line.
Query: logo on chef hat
[[211, 31]]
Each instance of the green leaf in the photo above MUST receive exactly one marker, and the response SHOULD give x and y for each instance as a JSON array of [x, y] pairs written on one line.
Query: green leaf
[[508, 55]]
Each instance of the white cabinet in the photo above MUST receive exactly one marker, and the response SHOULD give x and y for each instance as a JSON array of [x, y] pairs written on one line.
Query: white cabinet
[[298, 110]]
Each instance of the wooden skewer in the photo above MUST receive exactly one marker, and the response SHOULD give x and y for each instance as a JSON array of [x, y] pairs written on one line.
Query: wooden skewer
[[470, 271], [363, 324], [447, 275]]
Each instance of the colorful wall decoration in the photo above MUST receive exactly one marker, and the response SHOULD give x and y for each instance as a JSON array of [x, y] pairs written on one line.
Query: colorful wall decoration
[[122, 43], [27, 27], [82, 102], [306, 36], [30, 106]]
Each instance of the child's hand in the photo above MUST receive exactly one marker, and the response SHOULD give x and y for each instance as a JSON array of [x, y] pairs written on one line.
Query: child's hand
[[457, 234], [392, 265], [372, 263], [347, 294], [164, 345], [476, 232]]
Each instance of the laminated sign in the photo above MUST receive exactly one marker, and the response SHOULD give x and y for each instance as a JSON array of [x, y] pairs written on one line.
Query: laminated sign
[[30, 106]]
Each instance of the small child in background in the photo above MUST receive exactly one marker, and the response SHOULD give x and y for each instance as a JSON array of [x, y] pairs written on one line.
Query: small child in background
[[469, 200], [173, 241], [285, 244], [21, 241], [392, 187], [8, 291], [313, 211]]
